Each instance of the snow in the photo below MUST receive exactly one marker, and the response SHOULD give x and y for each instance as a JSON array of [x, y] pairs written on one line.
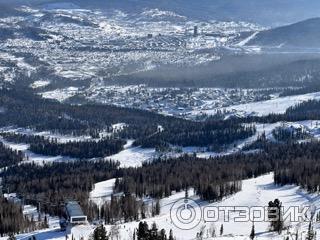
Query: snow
[[277, 105], [61, 94], [255, 192], [102, 191], [47, 134], [245, 41], [133, 156], [29, 210], [39, 84], [118, 126], [31, 157]]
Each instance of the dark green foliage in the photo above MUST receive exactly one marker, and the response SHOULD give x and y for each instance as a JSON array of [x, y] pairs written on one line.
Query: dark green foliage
[[77, 149], [12, 220], [100, 233], [289, 134], [311, 234], [144, 232], [24, 109], [9, 157], [53, 184], [252, 233], [275, 215], [221, 230], [212, 134]]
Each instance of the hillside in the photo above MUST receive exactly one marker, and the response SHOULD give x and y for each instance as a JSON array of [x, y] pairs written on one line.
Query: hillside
[[303, 34]]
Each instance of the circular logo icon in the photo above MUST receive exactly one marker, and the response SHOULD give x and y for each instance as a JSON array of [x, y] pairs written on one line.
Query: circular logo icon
[[185, 214]]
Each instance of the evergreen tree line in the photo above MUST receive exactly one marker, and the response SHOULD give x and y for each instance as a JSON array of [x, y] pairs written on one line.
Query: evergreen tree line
[[294, 163], [303, 171], [24, 109], [212, 178], [12, 219], [52, 185], [126, 208], [288, 134], [213, 135], [9, 157], [143, 232], [78, 149]]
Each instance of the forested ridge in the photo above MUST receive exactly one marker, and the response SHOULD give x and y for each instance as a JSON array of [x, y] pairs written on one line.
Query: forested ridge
[[212, 179], [24, 109], [77, 149]]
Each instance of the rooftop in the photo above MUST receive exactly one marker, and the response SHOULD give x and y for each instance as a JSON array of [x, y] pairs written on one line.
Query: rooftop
[[74, 209]]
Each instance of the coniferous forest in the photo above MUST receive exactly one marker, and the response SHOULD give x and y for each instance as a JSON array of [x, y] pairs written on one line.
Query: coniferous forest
[[12, 219], [52, 184], [77, 149]]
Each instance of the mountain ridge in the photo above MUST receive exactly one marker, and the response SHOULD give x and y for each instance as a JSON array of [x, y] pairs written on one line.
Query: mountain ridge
[[303, 34]]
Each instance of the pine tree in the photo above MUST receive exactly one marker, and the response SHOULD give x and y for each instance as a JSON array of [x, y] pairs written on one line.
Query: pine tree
[[171, 235], [134, 235], [142, 231], [221, 230], [252, 234], [157, 207], [310, 233], [275, 215], [11, 237], [100, 233]]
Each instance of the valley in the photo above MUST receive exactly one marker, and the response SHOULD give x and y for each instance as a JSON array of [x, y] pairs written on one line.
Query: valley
[[138, 119]]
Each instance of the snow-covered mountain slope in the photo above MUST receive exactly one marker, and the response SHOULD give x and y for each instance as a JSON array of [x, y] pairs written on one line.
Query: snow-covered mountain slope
[[303, 34], [276, 106], [256, 192]]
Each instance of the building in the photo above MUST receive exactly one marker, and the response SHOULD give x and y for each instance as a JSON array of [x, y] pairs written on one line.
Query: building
[[195, 31], [75, 213]]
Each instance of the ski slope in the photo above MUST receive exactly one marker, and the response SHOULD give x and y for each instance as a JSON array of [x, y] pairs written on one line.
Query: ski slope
[[133, 156], [277, 105], [255, 192], [102, 192]]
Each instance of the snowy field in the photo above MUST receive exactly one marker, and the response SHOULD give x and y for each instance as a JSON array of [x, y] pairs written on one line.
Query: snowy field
[[60, 94], [47, 134], [102, 192], [277, 105], [39, 84], [33, 157], [133, 156], [255, 192]]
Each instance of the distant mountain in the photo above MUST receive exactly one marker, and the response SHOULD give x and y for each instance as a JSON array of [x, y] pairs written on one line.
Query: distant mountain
[[305, 34], [265, 12]]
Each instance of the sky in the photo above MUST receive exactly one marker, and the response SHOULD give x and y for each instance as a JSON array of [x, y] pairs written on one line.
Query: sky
[[264, 12]]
